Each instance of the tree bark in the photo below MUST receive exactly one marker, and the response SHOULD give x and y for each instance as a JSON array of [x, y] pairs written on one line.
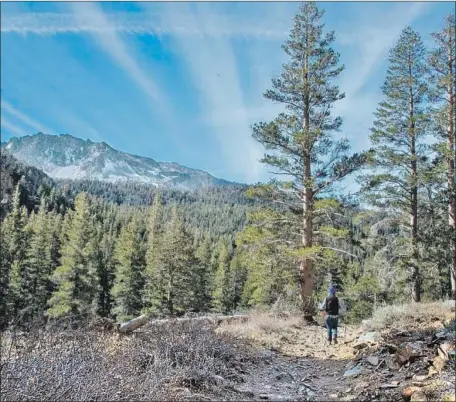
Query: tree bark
[[306, 266], [451, 164], [416, 280]]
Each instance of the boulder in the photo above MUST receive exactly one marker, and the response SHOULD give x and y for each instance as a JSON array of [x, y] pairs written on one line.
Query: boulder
[[409, 352], [367, 339], [373, 360], [418, 396], [353, 372], [409, 391], [391, 363], [419, 378]]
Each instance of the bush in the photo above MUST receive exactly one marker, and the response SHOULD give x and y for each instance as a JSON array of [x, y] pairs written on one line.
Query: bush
[[358, 311], [84, 364], [411, 313]]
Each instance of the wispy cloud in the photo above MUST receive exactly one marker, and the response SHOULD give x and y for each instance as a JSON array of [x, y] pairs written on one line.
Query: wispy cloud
[[135, 23], [377, 38], [379, 32], [229, 67], [11, 127], [90, 15], [35, 125], [212, 63], [90, 18]]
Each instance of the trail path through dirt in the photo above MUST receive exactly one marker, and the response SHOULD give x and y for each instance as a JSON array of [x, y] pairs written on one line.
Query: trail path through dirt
[[299, 366], [294, 378]]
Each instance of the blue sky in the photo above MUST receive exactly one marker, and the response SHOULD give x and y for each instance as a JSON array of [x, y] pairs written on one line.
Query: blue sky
[[183, 81]]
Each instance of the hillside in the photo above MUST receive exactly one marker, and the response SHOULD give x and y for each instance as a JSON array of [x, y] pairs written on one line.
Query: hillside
[[31, 179], [68, 157]]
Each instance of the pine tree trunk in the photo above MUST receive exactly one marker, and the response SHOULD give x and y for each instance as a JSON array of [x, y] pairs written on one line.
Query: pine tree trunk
[[416, 281], [451, 167], [306, 266]]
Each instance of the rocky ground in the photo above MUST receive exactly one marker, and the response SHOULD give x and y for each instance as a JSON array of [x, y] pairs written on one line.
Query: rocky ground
[[408, 354], [414, 363]]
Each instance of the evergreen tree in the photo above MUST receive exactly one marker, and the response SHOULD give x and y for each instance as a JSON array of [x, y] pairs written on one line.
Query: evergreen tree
[[129, 265], [301, 140], [39, 264], [154, 277], [270, 267], [442, 63], [221, 293], [55, 241], [106, 261], [18, 244], [238, 277], [178, 261], [76, 278], [203, 277], [399, 149], [5, 269]]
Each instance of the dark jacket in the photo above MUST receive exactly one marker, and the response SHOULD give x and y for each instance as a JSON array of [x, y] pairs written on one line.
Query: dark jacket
[[331, 305]]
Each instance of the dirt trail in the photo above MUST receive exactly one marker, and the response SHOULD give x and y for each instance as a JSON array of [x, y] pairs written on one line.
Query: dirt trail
[[294, 378], [299, 365]]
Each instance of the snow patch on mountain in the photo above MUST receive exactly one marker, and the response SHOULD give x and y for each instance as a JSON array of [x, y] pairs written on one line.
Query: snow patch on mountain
[[68, 157]]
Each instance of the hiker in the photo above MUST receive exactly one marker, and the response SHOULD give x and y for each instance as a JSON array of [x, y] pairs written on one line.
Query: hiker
[[330, 307]]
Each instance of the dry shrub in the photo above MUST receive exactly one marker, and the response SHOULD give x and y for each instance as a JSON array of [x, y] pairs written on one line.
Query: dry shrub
[[263, 323], [84, 364], [409, 315]]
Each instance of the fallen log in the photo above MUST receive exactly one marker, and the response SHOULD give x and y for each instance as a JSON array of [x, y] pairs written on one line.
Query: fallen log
[[133, 324], [138, 322]]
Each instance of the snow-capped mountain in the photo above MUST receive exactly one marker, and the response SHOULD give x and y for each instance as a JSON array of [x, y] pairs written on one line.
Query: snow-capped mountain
[[67, 157]]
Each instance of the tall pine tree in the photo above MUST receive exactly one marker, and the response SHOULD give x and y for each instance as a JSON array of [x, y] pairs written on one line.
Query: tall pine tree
[[397, 139], [129, 266], [17, 247], [300, 141], [221, 293], [154, 278], [203, 276], [177, 259], [39, 263], [76, 280], [442, 63], [106, 261]]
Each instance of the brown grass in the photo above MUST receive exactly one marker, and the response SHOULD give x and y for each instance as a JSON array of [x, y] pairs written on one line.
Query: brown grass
[[412, 314], [263, 323], [90, 365]]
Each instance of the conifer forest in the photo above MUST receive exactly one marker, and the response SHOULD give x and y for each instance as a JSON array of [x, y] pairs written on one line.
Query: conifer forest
[[82, 249]]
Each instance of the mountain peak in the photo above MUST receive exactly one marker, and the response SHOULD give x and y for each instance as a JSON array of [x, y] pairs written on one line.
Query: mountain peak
[[67, 157]]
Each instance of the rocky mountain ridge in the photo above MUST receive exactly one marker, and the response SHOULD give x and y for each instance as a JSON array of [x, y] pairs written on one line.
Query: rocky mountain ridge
[[67, 157]]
